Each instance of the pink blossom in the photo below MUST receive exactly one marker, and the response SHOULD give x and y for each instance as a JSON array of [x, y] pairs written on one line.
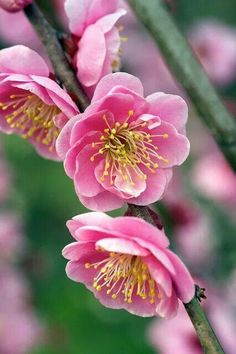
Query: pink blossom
[[123, 147], [179, 337], [14, 5], [11, 238], [126, 263], [213, 176], [98, 39], [31, 103], [215, 46]]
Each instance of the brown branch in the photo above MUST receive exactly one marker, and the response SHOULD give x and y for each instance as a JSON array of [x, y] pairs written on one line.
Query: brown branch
[[62, 68]]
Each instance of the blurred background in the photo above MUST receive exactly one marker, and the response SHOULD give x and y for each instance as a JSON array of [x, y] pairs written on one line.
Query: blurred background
[[41, 310]]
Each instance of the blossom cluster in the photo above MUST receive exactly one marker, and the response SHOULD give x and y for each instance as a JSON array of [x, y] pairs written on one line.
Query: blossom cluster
[[121, 149]]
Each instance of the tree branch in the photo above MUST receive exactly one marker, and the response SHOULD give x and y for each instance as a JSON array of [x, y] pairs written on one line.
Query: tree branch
[[205, 333], [189, 73], [62, 68], [66, 75]]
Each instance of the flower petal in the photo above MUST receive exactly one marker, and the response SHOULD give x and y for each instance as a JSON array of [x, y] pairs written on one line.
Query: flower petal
[[22, 60], [108, 82]]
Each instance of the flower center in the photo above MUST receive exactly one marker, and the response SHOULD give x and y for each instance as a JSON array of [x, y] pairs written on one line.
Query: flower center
[[124, 274], [127, 148], [32, 117]]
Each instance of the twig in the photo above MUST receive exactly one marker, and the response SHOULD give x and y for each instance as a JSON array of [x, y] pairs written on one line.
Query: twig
[[63, 70], [189, 73], [66, 76], [205, 333]]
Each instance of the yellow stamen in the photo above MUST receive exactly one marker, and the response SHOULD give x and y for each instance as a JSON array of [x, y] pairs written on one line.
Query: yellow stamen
[[128, 150], [31, 117], [124, 275]]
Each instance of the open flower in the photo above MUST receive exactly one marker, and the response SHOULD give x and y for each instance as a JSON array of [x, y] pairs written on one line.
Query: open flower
[[122, 148], [14, 5], [93, 24], [125, 262], [32, 104]]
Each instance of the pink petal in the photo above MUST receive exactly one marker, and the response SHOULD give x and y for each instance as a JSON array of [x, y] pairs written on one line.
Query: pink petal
[[175, 149], [183, 281], [59, 96], [77, 12], [22, 60], [120, 245], [101, 8], [170, 108], [85, 181], [73, 154], [63, 140], [156, 185], [132, 190], [86, 123], [107, 22], [74, 251], [159, 274], [91, 56], [104, 201], [87, 219], [138, 228], [108, 82], [168, 306]]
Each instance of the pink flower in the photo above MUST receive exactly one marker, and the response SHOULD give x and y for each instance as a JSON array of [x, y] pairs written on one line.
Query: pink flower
[[123, 147], [213, 176], [215, 46], [14, 5], [32, 104], [11, 238], [93, 22], [126, 263]]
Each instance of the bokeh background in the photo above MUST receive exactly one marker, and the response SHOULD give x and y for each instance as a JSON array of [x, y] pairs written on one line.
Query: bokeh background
[[198, 211]]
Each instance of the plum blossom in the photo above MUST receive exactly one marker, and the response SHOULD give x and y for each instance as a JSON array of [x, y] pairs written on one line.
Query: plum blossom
[[14, 5], [215, 45], [98, 40], [123, 147], [31, 103], [126, 263]]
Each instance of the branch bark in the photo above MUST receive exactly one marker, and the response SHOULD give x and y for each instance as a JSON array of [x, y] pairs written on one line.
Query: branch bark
[[189, 73], [66, 75], [62, 68]]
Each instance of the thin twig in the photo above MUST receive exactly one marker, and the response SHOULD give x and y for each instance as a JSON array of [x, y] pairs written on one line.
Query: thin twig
[[66, 75], [62, 68], [189, 73]]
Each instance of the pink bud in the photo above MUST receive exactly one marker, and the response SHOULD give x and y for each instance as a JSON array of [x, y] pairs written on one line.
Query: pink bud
[[14, 5]]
